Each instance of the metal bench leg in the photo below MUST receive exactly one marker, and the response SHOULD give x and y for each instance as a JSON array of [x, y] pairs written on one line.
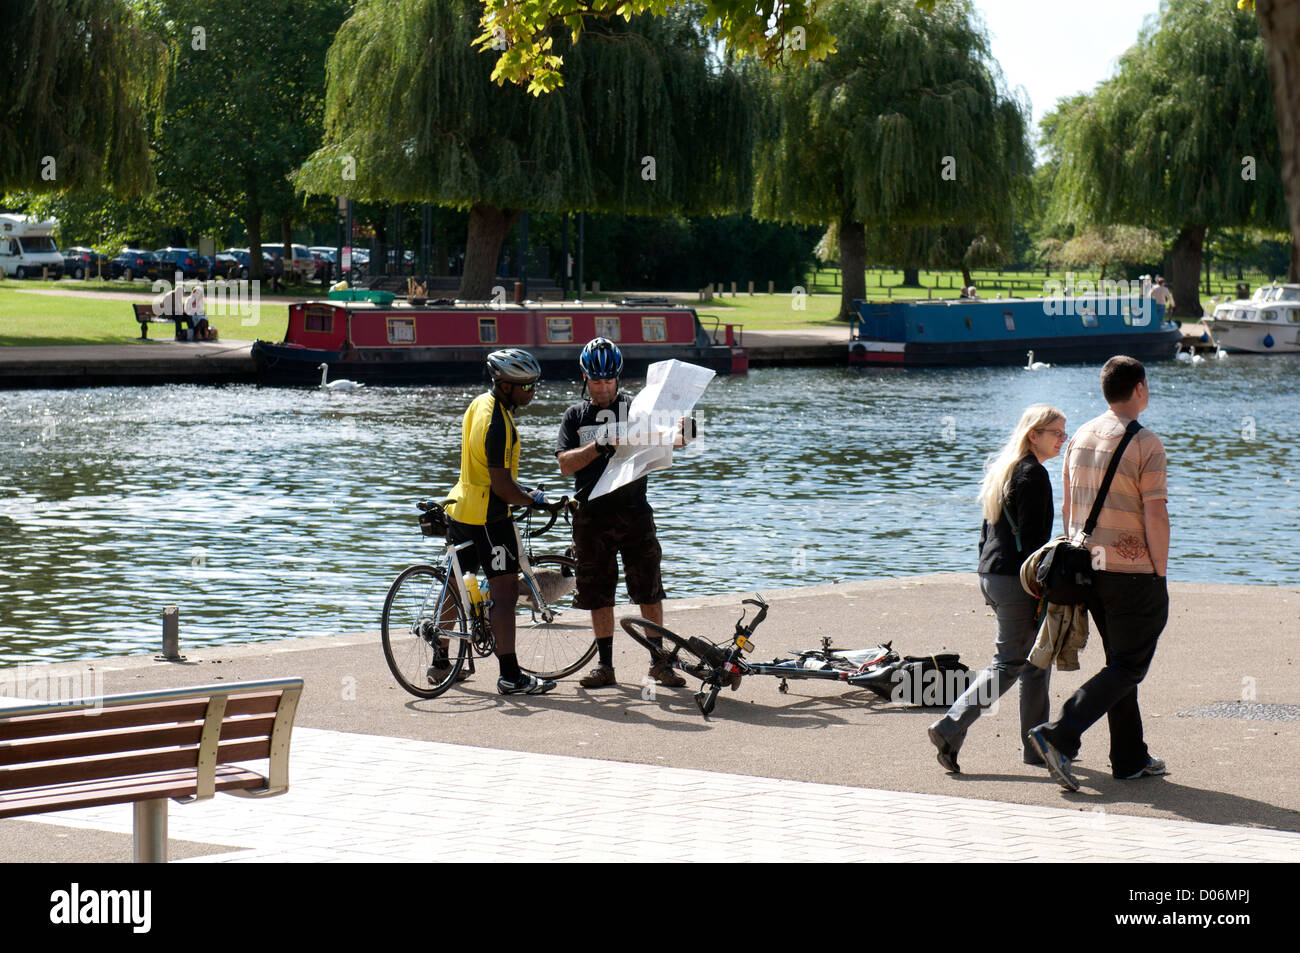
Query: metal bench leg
[[149, 845]]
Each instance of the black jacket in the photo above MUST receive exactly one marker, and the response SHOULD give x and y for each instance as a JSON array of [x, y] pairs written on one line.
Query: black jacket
[[1029, 503]]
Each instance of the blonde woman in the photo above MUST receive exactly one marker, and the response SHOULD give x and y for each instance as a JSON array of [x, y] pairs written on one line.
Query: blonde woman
[[1017, 499]]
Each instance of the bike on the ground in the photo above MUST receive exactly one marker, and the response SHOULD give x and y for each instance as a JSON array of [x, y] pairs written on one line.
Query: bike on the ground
[[435, 618], [721, 665]]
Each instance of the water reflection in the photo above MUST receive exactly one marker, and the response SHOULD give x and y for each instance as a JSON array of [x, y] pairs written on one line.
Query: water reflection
[[269, 513]]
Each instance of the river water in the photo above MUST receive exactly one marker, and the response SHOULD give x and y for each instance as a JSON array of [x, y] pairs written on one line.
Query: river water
[[267, 513]]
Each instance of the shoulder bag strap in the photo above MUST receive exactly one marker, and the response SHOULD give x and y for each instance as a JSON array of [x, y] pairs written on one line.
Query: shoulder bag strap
[[1129, 433]]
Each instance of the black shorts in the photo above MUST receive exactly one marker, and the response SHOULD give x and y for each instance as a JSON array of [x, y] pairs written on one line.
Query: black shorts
[[495, 549], [599, 539]]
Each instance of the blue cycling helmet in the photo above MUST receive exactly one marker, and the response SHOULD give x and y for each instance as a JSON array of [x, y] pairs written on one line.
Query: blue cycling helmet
[[601, 359]]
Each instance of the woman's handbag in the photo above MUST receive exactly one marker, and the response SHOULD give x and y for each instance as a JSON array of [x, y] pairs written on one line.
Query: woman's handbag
[[1065, 574]]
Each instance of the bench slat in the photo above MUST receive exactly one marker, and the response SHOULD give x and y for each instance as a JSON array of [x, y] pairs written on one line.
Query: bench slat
[[129, 716], [115, 766], [94, 794], [137, 738]]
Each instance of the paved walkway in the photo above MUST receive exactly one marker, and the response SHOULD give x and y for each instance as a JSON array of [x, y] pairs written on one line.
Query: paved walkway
[[361, 798]]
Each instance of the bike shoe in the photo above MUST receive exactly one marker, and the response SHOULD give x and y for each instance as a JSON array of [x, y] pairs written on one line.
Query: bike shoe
[[663, 673], [525, 685], [599, 677]]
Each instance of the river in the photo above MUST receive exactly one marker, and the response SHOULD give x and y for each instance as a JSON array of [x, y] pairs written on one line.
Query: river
[[268, 513]]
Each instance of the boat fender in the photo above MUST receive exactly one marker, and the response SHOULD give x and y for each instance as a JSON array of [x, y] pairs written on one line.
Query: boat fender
[[1268, 340], [1205, 337]]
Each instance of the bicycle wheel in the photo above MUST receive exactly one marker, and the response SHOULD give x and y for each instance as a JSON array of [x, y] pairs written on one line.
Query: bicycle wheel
[[417, 656], [562, 646], [676, 650]]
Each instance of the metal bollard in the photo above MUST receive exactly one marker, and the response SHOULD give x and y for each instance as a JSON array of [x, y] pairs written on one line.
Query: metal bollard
[[171, 635]]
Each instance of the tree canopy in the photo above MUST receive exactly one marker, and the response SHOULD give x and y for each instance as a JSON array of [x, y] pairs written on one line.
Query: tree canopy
[[780, 32], [83, 83], [647, 123], [908, 126], [1182, 137]]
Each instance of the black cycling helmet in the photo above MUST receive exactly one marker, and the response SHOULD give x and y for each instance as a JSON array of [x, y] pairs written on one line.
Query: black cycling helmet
[[514, 366], [601, 359]]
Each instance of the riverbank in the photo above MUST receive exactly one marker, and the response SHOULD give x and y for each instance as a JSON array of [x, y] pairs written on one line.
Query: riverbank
[[229, 361], [1217, 705]]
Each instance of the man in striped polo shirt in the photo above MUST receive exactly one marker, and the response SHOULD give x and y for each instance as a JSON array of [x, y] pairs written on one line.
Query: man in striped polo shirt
[[1130, 599]]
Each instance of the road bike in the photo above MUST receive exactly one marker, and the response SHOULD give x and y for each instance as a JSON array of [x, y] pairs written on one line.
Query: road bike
[[436, 620], [880, 670]]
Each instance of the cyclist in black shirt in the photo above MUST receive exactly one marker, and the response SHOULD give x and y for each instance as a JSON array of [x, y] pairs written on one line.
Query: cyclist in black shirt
[[1017, 499], [617, 523]]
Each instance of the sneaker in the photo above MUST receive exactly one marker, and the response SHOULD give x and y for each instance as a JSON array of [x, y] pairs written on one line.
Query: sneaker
[[1058, 765], [663, 673], [947, 753], [599, 677], [525, 685], [1154, 767]]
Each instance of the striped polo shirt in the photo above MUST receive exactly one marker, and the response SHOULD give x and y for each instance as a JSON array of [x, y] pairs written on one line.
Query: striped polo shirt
[[1140, 477]]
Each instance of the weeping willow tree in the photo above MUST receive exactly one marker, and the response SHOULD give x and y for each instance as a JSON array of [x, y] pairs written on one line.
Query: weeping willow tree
[[646, 123], [907, 127], [1183, 138], [82, 84]]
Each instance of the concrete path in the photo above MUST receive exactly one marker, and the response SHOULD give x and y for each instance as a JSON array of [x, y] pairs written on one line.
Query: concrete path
[[372, 765]]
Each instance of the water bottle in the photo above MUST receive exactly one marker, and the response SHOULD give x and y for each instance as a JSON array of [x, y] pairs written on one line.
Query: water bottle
[[475, 595]]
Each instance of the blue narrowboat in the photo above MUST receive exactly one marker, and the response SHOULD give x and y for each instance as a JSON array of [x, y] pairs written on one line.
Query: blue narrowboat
[[1002, 331]]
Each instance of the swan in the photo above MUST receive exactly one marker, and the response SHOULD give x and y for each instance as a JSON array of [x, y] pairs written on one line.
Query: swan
[[333, 386], [1220, 354], [1184, 356], [1197, 359], [1032, 365]]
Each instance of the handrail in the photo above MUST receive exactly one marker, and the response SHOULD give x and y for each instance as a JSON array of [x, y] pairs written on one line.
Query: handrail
[[157, 695]]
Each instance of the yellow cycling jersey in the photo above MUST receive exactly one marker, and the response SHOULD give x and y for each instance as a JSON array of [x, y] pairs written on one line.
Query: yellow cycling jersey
[[488, 439]]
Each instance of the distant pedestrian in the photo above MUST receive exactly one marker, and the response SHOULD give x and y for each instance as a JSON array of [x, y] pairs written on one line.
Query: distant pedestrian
[[1162, 295], [1017, 499], [1130, 599]]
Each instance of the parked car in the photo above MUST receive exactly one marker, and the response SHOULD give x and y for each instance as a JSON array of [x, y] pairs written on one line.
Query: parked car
[[79, 262], [185, 260], [242, 257], [301, 264], [132, 263], [225, 265]]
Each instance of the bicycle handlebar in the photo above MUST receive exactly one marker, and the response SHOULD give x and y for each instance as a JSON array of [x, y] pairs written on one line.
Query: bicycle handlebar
[[748, 630]]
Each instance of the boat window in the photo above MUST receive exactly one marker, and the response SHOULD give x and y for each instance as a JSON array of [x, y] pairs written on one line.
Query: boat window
[[609, 328], [401, 330], [559, 330], [654, 329], [1248, 314], [1289, 294], [1088, 317], [487, 330], [318, 318], [1010, 319], [1269, 315]]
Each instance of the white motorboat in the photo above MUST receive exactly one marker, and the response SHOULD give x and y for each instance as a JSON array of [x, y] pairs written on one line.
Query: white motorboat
[[1267, 323]]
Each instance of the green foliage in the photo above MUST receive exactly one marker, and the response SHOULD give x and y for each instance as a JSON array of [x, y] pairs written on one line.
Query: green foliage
[[245, 104], [83, 82], [1164, 142], [413, 113], [790, 32], [907, 126]]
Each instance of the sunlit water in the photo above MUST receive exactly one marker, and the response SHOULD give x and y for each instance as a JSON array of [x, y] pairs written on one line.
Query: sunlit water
[[266, 513]]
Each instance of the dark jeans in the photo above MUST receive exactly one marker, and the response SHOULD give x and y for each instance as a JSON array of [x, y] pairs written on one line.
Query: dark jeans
[[1130, 610]]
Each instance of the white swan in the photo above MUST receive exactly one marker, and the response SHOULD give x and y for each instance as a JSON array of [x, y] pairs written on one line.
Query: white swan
[[1032, 365], [1197, 358], [1184, 356], [333, 386], [1220, 354]]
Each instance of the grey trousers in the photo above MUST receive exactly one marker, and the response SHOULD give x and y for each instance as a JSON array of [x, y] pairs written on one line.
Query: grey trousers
[[1016, 633]]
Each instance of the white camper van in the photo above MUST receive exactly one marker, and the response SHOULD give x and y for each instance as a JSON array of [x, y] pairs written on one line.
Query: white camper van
[[27, 248]]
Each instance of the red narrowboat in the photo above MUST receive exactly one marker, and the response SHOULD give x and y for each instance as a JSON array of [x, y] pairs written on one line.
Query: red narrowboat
[[384, 341]]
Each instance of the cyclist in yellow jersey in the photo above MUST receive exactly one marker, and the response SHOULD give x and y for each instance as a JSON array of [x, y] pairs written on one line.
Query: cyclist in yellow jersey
[[479, 510]]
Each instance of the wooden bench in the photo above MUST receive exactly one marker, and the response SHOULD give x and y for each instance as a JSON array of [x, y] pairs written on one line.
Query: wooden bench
[[144, 748], [144, 313]]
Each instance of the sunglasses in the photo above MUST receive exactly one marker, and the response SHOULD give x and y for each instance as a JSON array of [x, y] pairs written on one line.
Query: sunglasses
[[1055, 433], [527, 388]]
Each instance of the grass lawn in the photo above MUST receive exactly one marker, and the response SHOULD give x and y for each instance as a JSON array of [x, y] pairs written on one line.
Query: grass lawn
[[764, 312], [28, 320]]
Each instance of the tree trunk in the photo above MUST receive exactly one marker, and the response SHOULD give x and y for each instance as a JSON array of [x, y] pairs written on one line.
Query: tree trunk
[[1279, 24], [488, 227], [967, 280], [911, 277], [253, 223], [1185, 271], [853, 266]]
